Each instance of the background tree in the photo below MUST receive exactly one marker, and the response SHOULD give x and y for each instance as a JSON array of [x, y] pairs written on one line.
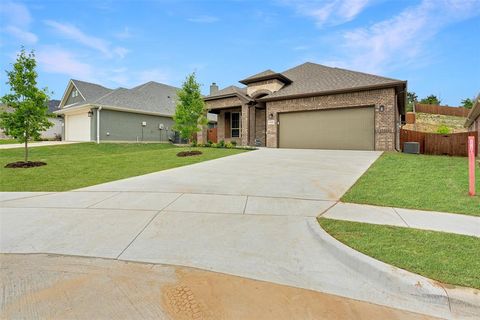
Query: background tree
[[412, 98], [467, 103], [29, 103], [431, 99], [190, 112]]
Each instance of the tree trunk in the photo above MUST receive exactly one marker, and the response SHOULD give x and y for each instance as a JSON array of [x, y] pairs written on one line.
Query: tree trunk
[[26, 150]]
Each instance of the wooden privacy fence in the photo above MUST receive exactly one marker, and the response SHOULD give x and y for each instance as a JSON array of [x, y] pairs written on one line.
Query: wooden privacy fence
[[454, 144], [447, 111]]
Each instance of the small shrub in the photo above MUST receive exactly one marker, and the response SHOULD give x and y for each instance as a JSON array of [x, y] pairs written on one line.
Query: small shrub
[[209, 142], [229, 145], [194, 143], [214, 145], [443, 129], [234, 143], [221, 143]]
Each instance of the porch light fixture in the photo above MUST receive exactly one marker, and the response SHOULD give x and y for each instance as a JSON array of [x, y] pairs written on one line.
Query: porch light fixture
[[270, 116], [381, 108], [90, 113]]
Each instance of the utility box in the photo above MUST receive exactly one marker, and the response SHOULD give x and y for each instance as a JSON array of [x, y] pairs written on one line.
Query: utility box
[[411, 147]]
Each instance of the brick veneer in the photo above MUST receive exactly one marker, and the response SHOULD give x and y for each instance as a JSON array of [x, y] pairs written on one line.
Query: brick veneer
[[385, 122]]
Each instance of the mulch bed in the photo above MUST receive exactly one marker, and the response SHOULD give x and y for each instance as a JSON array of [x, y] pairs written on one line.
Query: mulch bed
[[27, 164], [189, 153]]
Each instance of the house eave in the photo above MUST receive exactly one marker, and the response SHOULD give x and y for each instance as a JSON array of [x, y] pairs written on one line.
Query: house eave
[[474, 113], [113, 108], [330, 92], [277, 76]]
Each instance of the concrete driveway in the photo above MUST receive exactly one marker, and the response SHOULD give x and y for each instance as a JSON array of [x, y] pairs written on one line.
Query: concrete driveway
[[248, 215]]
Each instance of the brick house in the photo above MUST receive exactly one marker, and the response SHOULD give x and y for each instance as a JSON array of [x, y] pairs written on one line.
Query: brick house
[[310, 106], [473, 118]]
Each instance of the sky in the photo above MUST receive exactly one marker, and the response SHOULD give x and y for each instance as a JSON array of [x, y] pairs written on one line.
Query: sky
[[433, 44]]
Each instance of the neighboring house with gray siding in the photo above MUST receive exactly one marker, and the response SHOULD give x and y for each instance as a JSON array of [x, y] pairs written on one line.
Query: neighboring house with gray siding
[[310, 106], [54, 132], [92, 112]]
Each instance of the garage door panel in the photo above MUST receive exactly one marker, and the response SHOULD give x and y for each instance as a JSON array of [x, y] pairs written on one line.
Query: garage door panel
[[77, 127], [347, 129]]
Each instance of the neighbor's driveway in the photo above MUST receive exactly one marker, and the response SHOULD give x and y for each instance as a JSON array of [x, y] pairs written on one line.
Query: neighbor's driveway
[[249, 215], [35, 144]]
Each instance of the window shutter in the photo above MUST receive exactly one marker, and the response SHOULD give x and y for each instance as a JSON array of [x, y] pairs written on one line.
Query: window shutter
[[228, 131]]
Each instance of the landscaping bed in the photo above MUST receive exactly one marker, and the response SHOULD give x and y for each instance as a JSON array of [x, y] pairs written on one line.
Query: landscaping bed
[[25, 164], [436, 183], [445, 257], [80, 165]]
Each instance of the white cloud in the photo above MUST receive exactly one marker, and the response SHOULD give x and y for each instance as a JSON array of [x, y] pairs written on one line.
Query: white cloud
[[61, 61], [401, 40], [203, 19], [73, 33], [120, 52], [15, 14], [25, 37], [17, 19], [329, 12], [124, 34]]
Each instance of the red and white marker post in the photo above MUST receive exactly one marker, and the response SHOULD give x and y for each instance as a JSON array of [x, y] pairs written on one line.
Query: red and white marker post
[[471, 165]]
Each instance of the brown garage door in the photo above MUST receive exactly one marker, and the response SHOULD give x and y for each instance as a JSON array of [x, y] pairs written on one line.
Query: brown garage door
[[347, 129]]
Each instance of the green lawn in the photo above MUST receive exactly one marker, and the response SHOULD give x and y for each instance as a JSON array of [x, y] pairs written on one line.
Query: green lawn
[[85, 164], [438, 183], [446, 257]]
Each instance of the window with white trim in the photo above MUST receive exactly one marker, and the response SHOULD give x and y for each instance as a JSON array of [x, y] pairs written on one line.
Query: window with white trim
[[74, 93], [235, 124]]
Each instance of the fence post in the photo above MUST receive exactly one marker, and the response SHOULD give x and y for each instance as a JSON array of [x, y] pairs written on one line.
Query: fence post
[[471, 165]]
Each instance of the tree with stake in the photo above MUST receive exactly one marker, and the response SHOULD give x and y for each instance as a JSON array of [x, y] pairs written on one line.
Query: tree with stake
[[190, 111], [29, 103]]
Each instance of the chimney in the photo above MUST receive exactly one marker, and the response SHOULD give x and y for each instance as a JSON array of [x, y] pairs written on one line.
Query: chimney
[[213, 88]]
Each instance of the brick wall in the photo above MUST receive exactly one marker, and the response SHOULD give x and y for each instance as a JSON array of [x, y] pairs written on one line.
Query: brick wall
[[385, 122]]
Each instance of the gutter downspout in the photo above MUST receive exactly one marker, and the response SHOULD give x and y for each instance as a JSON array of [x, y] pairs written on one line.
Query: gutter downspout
[[98, 124]]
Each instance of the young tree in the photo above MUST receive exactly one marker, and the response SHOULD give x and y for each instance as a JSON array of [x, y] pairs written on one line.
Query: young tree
[[412, 98], [431, 99], [29, 103], [190, 111], [467, 103]]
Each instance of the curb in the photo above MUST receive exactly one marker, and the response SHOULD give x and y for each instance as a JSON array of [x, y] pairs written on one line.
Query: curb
[[403, 289]]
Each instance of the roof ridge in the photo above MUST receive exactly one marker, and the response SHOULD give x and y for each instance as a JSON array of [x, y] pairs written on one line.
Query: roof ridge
[[109, 93], [90, 83]]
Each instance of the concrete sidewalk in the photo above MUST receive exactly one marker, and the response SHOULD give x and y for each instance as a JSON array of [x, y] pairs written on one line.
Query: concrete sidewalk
[[418, 219], [35, 144]]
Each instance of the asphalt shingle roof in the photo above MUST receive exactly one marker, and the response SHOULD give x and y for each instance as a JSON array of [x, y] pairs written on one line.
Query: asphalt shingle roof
[[90, 91], [260, 75], [315, 78], [151, 96], [228, 91]]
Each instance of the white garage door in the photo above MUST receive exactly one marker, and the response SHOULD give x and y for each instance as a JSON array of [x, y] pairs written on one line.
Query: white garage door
[[77, 127]]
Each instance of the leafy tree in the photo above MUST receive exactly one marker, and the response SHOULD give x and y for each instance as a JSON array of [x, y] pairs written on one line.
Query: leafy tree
[[412, 98], [431, 99], [29, 103], [467, 103], [190, 111]]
